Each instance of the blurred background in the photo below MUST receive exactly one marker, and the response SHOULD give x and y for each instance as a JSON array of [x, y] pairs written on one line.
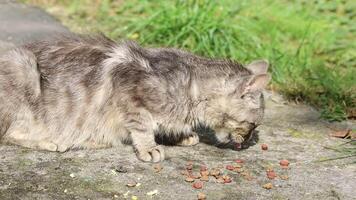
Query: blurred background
[[309, 43]]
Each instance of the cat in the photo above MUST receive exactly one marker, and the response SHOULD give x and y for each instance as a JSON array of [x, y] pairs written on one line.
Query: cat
[[80, 91]]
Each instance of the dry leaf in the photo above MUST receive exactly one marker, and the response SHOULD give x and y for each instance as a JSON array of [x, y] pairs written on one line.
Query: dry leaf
[[341, 134]]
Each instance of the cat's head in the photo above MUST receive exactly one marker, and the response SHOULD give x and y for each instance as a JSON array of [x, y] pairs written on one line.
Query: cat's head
[[238, 107]]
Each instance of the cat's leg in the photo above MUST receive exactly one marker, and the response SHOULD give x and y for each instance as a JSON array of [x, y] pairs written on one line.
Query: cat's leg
[[24, 137], [141, 128], [34, 144], [191, 140]]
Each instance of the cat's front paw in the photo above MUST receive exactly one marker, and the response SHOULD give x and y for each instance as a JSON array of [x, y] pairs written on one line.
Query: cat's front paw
[[153, 154]]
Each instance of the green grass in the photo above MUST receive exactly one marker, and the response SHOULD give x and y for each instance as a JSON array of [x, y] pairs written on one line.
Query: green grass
[[310, 44]]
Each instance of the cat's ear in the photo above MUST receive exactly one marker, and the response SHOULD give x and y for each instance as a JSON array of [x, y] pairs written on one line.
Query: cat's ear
[[258, 67], [257, 83]]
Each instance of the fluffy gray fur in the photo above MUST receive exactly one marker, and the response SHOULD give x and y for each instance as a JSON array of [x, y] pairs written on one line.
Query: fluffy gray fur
[[90, 92]]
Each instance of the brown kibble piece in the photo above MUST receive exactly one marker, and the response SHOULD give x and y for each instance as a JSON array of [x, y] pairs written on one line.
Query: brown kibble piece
[[238, 146], [247, 176], [198, 185], [271, 174], [284, 163], [220, 180], [227, 179], [215, 172], [237, 166], [195, 175], [238, 170], [229, 167], [203, 168], [264, 147], [189, 179], [204, 178], [204, 173], [201, 196], [189, 167], [284, 177], [268, 186], [185, 173]]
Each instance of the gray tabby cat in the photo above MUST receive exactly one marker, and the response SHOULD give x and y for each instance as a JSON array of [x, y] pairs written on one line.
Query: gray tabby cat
[[90, 92]]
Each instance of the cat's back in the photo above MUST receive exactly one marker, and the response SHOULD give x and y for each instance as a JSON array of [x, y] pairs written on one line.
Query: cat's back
[[66, 58]]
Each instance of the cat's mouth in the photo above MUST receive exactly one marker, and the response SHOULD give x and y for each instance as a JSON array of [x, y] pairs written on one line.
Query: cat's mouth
[[236, 139], [240, 137]]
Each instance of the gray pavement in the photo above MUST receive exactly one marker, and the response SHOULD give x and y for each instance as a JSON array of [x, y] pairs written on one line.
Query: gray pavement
[[292, 132]]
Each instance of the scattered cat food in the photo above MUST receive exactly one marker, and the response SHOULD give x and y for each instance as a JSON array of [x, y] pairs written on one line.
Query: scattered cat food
[[247, 176], [237, 166], [271, 174], [220, 180], [195, 175], [227, 179], [238, 170], [189, 179], [268, 186], [198, 185], [204, 178], [151, 193], [203, 168], [284, 163], [189, 166], [215, 172], [204, 173], [239, 161], [157, 168], [230, 167], [185, 173], [284, 177], [201, 196], [264, 147], [238, 146]]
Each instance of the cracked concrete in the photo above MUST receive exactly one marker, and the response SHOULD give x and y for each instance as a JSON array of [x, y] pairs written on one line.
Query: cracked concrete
[[292, 132]]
